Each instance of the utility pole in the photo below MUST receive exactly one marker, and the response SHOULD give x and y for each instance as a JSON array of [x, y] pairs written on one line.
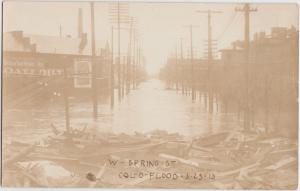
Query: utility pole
[[138, 67], [128, 75], [94, 70], [135, 65], [209, 57], [119, 55], [182, 66], [246, 9], [123, 76], [192, 62], [119, 15], [112, 74], [133, 62], [60, 31], [134, 54], [176, 70], [66, 100]]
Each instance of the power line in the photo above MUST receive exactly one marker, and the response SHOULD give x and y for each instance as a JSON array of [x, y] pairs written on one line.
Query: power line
[[231, 20]]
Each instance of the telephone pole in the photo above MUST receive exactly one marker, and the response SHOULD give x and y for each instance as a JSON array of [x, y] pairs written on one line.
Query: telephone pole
[[138, 66], [66, 101], [182, 65], [60, 31], [119, 15], [128, 71], [192, 62], [176, 70], [133, 62], [112, 73], [209, 56], [246, 9], [119, 54], [123, 76], [94, 70], [135, 65]]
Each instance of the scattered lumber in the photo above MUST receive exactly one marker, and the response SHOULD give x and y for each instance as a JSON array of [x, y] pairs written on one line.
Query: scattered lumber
[[238, 161], [28, 175], [52, 157], [281, 163], [237, 171], [19, 156]]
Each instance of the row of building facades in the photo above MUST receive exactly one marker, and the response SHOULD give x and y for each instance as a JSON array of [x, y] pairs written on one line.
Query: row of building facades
[[37, 68], [272, 82]]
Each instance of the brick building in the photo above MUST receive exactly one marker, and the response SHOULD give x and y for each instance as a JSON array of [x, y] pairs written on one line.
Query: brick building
[[37, 67]]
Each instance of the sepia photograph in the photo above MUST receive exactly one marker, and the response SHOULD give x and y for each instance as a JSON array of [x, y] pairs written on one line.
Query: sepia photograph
[[147, 94]]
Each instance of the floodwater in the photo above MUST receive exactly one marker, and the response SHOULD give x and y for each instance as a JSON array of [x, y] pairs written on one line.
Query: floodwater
[[150, 107]]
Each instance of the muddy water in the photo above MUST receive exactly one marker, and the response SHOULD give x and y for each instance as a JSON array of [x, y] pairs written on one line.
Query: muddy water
[[151, 106]]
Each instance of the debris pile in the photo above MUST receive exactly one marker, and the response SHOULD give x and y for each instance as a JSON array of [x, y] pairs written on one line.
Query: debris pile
[[158, 159]]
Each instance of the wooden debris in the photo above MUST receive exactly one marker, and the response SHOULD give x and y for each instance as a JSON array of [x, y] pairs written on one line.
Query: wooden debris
[[213, 139], [238, 159], [28, 175], [281, 163], [18, 156], [52, 157], [237, 171]]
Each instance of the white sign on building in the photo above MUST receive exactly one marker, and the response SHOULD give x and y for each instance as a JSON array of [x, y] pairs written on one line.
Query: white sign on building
[[82, 74]]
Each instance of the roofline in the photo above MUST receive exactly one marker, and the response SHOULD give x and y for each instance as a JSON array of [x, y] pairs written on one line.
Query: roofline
[[42, 53]]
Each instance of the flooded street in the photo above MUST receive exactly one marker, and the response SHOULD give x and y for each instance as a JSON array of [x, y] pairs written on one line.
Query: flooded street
[[157, 95], [150, 107], [153, 107]]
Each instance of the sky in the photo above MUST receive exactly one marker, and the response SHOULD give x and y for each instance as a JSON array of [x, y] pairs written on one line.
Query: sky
[[160, 26]]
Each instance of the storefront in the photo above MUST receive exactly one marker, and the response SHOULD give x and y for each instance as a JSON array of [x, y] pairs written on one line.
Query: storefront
[[37, 76]]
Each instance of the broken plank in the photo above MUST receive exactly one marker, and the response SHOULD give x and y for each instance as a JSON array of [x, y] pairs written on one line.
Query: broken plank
[[51, 157], [236, 171], [122, 150], [281, 163], [201, 148], [19, 155], [28, 175]]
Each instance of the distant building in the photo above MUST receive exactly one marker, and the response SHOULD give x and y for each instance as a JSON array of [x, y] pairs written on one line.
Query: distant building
[[272, 78], [277, 52], [277, 48], [181, 69], [232, 56]]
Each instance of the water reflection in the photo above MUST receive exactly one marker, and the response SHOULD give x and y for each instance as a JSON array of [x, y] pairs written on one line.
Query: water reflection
[[153, 107], [147, 108]]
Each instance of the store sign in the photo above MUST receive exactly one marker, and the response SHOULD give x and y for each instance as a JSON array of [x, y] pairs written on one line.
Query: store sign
[[32, 71], [23, 63], [82, 74], [28, 67]]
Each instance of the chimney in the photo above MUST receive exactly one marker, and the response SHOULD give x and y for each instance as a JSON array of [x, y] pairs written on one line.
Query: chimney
[[80, 27], [83, 42]]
